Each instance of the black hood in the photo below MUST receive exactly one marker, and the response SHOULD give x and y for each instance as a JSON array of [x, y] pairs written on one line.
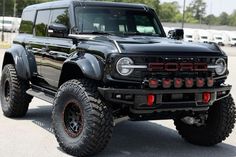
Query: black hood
[[157, 45], [146, 45]]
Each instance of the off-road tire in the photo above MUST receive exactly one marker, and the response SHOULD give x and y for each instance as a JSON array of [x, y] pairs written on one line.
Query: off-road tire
[[97, 123], [14, 99], [220, 123]]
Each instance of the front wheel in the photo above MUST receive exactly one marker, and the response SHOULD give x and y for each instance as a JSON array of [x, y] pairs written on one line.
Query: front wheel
[[217, 127], [14, 99], [82, 123]]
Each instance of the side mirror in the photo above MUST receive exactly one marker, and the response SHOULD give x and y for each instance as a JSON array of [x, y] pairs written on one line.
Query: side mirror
[[58, 30], [177, 34]]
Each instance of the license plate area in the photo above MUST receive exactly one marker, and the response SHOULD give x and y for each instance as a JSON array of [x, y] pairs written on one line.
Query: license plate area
[[178, 97]]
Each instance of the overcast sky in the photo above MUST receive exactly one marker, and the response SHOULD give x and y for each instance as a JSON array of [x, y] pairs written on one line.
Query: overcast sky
[[213, 6]]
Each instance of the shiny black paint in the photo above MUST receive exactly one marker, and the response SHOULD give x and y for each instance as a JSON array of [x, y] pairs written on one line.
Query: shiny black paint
[[55, 52], [90, 66], [141, 96], [148, 45], [92, 52], [24, 61]]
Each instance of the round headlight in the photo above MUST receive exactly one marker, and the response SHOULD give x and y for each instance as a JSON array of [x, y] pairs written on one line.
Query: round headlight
[[122, 66], [220, 66]]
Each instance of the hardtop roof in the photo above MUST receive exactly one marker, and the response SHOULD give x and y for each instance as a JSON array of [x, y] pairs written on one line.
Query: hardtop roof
[[67, 3]]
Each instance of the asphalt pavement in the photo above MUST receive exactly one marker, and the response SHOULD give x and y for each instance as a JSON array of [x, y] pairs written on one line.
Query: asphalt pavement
[[32, 135]]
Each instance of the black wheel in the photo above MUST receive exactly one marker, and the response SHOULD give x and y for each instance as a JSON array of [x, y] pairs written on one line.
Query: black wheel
[[82, 123], [217, 127], [14, 100]]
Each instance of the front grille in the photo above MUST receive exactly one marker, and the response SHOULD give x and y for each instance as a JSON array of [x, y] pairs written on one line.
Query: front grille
[[173, 66], [168, 59], [167, 67], [184, 69]]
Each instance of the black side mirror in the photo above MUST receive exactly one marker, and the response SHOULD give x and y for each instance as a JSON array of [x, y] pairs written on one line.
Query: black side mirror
[[58, 30], [177, 34]]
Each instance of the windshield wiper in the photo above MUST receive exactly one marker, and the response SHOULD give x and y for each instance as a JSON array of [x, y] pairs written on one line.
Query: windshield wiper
[[96, 33]]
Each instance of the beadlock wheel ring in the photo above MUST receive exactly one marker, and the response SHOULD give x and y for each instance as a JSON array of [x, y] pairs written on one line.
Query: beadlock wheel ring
[[73, 118]]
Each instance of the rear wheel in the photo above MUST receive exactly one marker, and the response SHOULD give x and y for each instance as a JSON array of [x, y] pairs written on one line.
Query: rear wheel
[[217, 127], [82, 123], [14, 99]]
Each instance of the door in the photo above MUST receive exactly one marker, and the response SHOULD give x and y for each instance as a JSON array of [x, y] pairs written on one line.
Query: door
[[56, 49], [37, 42]]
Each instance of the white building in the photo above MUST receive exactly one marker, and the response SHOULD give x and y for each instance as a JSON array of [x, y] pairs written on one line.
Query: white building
[[190, 35]]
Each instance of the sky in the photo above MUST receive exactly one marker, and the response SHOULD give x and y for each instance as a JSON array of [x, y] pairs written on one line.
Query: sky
[[213, 6]]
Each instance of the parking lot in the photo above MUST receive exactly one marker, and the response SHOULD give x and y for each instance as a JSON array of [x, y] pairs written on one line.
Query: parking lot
[[32, 135]]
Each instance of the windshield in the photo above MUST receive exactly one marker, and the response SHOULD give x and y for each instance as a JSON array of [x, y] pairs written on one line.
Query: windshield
[[116, 21], [204, 37]]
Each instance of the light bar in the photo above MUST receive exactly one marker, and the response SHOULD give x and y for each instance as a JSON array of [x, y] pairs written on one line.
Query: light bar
[[189, 82], [213, 66], [178, 82], [134, 66], [166, 83], [200, 82]]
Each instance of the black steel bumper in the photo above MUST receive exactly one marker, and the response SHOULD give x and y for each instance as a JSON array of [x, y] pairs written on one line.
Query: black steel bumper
[[166, 99]]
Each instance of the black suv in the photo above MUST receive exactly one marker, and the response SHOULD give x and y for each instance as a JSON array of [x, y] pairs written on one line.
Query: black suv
[[98, 61]]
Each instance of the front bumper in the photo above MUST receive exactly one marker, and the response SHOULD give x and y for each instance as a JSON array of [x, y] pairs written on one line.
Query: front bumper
[[165, 99]]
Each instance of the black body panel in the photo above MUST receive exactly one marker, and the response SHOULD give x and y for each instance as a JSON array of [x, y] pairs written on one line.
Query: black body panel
[[24, 61], [48, 60], [165, 100]]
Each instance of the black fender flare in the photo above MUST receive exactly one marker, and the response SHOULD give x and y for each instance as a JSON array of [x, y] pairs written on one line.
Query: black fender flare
[[24, 61], [90, 66]]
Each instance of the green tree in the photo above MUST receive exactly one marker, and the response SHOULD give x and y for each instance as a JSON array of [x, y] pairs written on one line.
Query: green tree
[[211, 20], [21, 4], [197, 8], [223, 18], [9, 5], [232, 19], [189, 18], [169, 12]]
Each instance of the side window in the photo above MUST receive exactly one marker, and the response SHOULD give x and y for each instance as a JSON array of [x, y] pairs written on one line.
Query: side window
[[60, 16], [27, 22], [42, 22]]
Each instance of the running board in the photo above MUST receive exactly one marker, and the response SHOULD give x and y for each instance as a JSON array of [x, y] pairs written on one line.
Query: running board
[[41, 93]]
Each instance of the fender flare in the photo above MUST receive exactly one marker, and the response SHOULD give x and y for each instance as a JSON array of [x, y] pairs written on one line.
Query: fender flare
[[24, 61], [90, 66]]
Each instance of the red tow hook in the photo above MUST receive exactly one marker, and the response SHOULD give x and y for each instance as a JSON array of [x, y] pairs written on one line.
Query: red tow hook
[[150, 100], [206, 97]]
